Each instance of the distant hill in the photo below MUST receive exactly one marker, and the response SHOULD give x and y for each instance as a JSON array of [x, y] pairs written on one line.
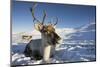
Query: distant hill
[[86, 32]]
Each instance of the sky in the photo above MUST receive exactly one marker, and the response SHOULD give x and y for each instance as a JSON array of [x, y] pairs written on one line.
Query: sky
[[69, 16]]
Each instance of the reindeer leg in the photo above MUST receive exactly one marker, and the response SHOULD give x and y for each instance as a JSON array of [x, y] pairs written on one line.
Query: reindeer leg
[[46, 54]]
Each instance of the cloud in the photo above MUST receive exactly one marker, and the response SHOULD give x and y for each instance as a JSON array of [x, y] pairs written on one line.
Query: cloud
[[65, 30]]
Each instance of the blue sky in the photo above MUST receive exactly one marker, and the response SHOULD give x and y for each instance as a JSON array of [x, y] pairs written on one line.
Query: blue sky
[[70, 16]]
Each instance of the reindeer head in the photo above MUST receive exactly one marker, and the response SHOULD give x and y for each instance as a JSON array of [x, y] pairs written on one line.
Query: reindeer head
[[47, 30]]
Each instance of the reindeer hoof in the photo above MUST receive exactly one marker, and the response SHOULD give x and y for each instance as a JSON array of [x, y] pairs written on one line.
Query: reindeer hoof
[[46, 62]]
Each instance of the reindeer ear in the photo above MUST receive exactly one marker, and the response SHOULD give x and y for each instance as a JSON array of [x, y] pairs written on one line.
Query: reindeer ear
[[37, 26]]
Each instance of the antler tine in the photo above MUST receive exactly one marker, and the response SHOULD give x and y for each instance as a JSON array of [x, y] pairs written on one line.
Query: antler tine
[[56, 21], [32, 11], [44, 16]]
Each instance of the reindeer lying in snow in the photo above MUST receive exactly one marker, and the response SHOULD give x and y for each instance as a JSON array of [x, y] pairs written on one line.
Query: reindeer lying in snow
[[45, 47]]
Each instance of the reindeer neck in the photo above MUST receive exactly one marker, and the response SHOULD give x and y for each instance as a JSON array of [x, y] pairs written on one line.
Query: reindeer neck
[[44, 39]]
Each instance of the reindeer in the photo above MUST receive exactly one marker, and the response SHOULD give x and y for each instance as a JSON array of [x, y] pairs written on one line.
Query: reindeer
[[44, 47]]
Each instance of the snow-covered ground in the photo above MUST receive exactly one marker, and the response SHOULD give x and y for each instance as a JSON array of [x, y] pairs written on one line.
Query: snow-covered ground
[[77, 45]]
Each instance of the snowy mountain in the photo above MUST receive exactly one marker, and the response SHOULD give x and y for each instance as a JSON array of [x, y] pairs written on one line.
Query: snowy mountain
[[86, 32], [88, 27]]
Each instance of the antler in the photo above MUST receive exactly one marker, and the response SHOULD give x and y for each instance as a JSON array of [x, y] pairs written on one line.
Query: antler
[[56, 22], [44, 16], [32, 11]]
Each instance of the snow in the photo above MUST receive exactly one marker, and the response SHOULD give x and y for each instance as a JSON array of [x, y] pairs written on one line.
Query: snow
[[73, 47], [63, 54]]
